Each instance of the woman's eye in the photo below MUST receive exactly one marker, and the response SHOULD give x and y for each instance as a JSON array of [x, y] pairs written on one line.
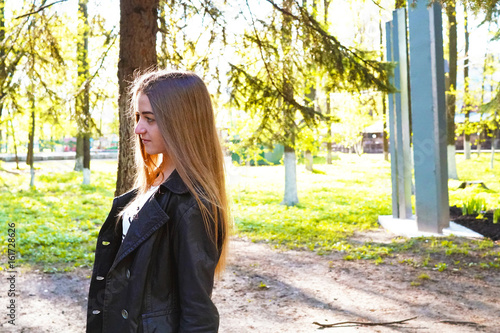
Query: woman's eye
[[149, 120]]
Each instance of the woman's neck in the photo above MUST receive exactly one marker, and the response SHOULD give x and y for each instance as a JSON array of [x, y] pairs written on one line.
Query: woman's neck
[[168, 168]]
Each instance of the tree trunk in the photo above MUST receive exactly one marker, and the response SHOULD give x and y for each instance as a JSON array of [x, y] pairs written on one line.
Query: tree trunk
[[2, 56], [138, 27], [310, 91], [483, 129], [290, 196], [31, 144], [79, 153], [329, 131], [466, 88], [493, 139], [326, 5], [479, 144], [86, 159], [82, 103], [452, 84], [15, 144], [31, 135], [385, 141], [2, 143], [309, 160]]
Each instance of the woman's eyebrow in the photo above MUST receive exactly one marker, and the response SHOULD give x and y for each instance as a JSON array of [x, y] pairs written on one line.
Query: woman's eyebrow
[[145, 112]]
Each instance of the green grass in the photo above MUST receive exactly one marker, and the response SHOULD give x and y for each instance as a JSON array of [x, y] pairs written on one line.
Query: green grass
[[333, 204], [57, 222], [477, 169], [346, 198]]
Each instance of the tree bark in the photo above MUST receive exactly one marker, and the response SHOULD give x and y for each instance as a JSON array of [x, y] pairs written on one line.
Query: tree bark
[[79, 153], [138, 28], [452, 84]]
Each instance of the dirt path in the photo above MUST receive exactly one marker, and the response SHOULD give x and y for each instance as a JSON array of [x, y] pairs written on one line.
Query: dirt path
[[268, 290]]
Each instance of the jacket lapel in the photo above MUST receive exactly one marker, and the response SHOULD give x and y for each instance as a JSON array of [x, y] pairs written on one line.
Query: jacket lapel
[[149, 219]]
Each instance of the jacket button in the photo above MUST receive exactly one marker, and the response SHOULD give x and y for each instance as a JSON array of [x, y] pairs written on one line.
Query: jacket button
[[99, 278], [124, 314], [105, 243], [96, 312], [128, 274]]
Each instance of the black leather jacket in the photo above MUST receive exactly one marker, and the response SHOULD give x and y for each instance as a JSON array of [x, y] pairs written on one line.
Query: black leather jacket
[[161, 278]]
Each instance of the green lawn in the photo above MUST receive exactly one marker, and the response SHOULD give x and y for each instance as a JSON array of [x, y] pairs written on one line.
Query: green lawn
[[57, 222], [341, 198]]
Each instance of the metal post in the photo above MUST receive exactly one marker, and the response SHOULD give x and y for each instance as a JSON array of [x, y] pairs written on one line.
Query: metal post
[[428, 117]]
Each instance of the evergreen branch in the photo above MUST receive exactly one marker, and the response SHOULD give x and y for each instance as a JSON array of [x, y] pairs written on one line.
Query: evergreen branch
[[358, 64], [39, 9], [308, 112]]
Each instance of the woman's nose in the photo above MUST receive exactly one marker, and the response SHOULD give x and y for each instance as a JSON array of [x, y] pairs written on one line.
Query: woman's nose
[[139, 129]]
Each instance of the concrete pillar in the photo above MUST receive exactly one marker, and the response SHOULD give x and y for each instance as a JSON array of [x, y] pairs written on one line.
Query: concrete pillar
[[428, 117], [391, 112], [399, 124]]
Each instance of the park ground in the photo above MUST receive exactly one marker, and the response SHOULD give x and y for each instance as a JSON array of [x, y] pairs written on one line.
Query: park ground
[[283, 278]]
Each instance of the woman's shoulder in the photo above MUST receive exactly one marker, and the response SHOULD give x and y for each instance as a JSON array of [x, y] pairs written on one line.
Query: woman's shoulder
[[125, 198], [174, 183]]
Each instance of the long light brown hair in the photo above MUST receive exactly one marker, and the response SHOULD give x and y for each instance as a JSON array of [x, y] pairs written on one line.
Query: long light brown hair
[[183, 111]]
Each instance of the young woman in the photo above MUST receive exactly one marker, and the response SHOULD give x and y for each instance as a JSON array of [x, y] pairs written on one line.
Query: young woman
[[163, 242]]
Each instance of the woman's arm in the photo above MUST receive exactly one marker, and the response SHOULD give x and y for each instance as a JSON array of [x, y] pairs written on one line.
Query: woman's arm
[[196, 257]]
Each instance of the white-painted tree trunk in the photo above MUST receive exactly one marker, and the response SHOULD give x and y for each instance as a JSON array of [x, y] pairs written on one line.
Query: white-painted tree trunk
[[309, 160], [32, 179], [86, 176], [452, 163], [467, 149], [291, 197], [78, 163], [478, 149]]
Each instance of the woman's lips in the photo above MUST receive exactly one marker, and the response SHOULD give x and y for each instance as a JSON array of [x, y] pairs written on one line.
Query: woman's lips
[[145, 141]]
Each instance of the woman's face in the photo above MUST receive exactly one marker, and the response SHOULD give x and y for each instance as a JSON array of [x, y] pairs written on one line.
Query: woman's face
[[147, 128]]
